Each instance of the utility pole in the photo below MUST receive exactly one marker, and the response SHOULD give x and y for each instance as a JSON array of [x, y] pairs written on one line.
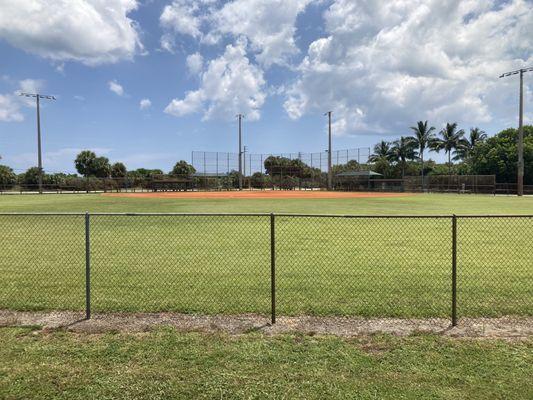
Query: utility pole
[[520, 175], [245, 149], [37, 97], [240, 116], [330, 177]]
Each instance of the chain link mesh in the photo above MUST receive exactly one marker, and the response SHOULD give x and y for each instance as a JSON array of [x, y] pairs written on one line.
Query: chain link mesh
[[495, 266], [336, 266], [42, 260], [204, 264], [371, 267]]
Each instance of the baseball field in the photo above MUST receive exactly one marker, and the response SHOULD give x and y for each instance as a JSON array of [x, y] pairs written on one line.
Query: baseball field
[[371, 267], [221, 264]]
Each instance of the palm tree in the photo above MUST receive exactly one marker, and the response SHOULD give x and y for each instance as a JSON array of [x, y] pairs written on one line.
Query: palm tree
[[423, 139], [381, 157], [382, 152], [402, 150], [451, 140], [476, 136]]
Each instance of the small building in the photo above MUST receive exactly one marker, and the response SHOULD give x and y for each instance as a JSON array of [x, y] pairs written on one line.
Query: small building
[[355, 180]]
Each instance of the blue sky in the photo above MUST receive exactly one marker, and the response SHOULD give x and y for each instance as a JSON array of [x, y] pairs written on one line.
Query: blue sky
[[379, 65]]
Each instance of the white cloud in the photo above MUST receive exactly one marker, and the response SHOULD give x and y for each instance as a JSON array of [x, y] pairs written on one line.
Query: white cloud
[[268, 25], [181, 17], [262, 32], [31, 85], [384, 64], [11, 103], [89, 31], [144, 104], [229, 84], [116, 87], [10, 108], [195, 63]]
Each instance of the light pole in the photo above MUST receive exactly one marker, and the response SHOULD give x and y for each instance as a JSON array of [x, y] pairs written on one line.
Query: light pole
[[240, 116], [245, 149], [330, 177], [520, 177], [37, 97]]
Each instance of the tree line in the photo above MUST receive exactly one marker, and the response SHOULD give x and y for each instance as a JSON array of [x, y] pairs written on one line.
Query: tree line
[[473, 153], [91, 169]]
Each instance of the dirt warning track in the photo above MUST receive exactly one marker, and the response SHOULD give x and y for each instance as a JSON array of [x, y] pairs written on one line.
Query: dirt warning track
[[260, 194]]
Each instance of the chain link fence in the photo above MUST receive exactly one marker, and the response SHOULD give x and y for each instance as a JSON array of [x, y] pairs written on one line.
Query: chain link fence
[[408, 267], [212, 163]]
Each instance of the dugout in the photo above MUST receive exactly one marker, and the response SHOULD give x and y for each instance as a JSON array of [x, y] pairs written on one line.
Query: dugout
[[357, 180]]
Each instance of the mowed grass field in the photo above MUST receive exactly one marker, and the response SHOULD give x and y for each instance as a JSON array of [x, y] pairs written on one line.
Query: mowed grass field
[[169, 365], [221, 264]]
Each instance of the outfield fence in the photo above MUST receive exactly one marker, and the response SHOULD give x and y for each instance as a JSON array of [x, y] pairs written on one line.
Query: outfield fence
[[379, 266], [279, 178]]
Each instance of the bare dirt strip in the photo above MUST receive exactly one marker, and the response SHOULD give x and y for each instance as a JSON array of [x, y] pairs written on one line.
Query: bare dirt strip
[[504, 327], [260, 194]]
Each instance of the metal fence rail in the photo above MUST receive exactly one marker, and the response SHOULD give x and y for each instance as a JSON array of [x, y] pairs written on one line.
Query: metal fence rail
[[438, 266]]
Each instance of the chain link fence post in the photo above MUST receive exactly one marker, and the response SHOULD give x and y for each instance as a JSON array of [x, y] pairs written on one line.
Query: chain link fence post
[[273, 267], [87, 267], [454, 270]]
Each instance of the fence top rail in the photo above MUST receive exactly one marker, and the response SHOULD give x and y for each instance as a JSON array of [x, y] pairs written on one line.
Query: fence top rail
[[354, 216]]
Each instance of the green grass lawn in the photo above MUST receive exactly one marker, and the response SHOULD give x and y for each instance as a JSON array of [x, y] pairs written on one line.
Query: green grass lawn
[[166, 364], [367, 267], [417, 204]]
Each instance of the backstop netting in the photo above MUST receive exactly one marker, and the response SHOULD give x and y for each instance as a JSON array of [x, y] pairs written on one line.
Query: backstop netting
[[220, 163]]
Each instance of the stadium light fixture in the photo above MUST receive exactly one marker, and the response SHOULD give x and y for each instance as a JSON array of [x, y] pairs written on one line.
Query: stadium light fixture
[[520, 176], [37, 97]]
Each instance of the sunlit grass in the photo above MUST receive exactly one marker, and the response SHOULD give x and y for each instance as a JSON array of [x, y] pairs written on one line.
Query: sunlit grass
[[166, 364]]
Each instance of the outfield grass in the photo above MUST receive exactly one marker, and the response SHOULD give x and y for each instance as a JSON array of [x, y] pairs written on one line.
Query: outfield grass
[[416, 204], [166, 364], [367, 267]]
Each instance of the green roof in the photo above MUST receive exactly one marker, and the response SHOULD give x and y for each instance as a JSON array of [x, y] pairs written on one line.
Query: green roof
[[359, 173]]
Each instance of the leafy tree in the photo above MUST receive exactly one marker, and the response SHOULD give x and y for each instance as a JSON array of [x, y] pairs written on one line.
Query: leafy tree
[[351, 165], [84, 162], [30, 177], [101, 167], [476, 136], [231, 180], [382, 151], [288, 182], [498, 156], [88, 164], [278, 166], [260, 180], [423, 137], [143, 173], [274, 165], [381, 158], [183, 168], [451, 139], [118, 170], [8, 178], [384, 167], [403, 150]]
